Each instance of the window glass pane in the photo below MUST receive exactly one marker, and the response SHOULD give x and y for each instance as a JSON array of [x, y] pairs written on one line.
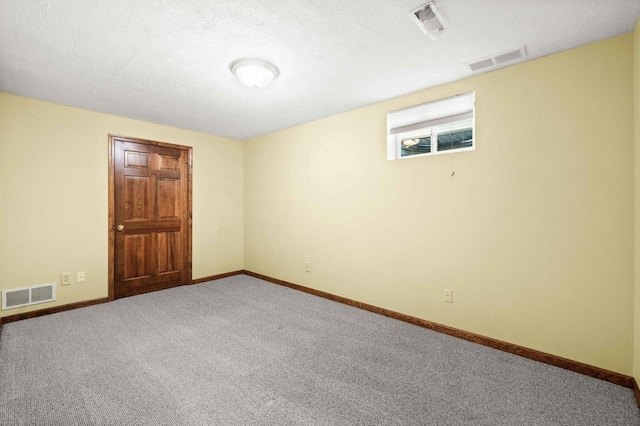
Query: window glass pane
[[455, 139], [414, 146]]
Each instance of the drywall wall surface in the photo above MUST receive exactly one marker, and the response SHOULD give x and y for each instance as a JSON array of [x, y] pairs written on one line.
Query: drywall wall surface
[[636, 91], [533, 233], [53, 192]]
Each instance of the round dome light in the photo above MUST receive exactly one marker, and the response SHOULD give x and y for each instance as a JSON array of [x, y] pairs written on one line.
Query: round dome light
[[254, 72]]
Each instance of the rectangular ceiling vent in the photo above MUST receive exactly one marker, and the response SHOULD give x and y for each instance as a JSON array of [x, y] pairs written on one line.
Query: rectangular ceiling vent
[[430, 19], [28, 296], [498, 59]]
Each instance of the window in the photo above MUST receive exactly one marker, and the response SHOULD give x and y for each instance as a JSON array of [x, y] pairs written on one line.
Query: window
[[438, 127]]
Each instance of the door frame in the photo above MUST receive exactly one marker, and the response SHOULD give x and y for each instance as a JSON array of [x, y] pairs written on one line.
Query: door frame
[[187, 241]]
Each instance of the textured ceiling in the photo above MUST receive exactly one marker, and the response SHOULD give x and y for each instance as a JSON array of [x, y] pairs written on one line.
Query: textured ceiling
[[167, 61]]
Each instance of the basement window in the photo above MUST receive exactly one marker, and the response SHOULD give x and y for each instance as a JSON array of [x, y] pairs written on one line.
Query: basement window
[[438, 127]]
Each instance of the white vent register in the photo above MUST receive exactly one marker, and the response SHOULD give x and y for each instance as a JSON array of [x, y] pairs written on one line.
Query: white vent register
[[28, 296], [497, 59], [430, 19]]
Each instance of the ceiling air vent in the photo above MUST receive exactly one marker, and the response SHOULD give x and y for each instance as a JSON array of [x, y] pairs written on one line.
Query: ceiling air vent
[[498, 59], [430, 19], [483, 63]]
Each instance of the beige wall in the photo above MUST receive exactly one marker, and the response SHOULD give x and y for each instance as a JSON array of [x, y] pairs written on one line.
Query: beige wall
[[636, 73], [53, 193], [534, 233]]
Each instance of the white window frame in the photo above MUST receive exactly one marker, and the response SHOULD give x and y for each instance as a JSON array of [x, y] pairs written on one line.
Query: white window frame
[[433, 132], [433, 128]]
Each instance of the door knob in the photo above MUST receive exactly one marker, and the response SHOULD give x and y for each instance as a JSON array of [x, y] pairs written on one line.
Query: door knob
[[120, 228]]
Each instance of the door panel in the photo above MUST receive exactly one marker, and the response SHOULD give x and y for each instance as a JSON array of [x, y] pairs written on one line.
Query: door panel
[[137, 198], [168, 198], [168, 252], [136, 159], [169, 163], [137, 262], [151, 202]]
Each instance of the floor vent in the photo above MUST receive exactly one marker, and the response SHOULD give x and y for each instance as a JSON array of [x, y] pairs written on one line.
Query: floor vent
[[28, 296], [498, 59]]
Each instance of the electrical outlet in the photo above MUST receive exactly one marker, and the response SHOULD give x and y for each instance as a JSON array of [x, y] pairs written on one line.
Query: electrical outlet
[[448, 295], [65, 278], [80, 277], [307, 266]]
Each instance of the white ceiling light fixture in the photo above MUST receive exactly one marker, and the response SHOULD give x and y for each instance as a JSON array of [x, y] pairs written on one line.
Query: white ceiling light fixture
[[430, 19], [254, 72]]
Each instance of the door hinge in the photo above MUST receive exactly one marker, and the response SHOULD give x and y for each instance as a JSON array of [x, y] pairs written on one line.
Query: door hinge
[[189, 215]]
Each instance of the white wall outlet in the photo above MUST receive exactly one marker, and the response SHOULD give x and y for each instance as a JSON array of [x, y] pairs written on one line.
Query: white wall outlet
[[448, 295], [307, 266], [65, 278], [80, 277]]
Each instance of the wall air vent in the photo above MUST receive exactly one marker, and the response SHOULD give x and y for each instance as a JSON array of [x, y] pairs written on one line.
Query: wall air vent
[[28, 296], [430, 19], [497, 59]]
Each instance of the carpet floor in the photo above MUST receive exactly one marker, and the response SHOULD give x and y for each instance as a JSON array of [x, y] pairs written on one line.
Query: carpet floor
[[241, 351]]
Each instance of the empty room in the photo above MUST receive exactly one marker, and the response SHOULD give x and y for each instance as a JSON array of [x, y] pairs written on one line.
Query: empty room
[[242, 212]]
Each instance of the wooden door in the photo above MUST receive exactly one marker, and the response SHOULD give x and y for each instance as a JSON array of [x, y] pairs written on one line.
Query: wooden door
[[150, 216]]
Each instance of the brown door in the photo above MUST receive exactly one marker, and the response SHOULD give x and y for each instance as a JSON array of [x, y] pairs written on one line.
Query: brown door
[[150, 221]]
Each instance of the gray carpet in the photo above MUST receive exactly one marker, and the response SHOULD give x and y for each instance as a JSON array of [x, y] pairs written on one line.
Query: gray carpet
[[241, 351]]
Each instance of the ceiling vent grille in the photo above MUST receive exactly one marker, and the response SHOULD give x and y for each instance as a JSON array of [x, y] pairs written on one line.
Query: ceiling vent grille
[[498, 59]]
